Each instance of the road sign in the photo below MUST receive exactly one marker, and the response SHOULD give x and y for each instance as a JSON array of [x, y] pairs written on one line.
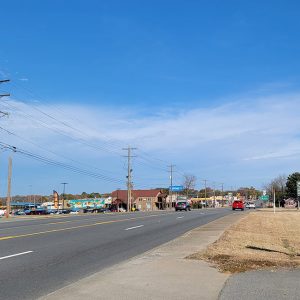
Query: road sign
[[298, 188], [182, 198], [176, 188], [230, 196], [264, 197]]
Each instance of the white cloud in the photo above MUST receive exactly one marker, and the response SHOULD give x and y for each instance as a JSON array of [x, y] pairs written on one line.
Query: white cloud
[[219, 141]]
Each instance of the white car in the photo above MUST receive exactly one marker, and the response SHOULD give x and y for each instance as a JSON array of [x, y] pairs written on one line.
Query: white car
[[250, 205], [2, 212]]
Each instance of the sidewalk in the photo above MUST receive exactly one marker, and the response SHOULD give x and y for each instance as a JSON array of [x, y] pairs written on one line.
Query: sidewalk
[[282, 284], [161, 273]]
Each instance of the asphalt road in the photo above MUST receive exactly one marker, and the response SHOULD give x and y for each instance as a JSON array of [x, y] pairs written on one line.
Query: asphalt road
[[41, 255]]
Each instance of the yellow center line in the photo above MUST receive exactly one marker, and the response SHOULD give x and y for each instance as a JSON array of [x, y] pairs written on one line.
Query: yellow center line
[[74, 227], [54, 223]]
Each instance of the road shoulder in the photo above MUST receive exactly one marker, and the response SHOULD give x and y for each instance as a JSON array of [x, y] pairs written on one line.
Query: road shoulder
[[161, 273]]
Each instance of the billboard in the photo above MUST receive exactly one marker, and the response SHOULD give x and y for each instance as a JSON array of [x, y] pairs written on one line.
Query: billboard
[[87, 203]]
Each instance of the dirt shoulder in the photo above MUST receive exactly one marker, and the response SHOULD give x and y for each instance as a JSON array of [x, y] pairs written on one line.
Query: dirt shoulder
[[259, 240]]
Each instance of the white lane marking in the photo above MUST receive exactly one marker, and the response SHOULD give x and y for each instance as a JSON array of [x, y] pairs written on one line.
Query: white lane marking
[[17, 254], [134, 227], [180, 217]]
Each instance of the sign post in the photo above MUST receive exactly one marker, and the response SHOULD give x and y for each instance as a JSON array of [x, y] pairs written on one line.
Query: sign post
[[298, 192], [264, 197], [274, 197]]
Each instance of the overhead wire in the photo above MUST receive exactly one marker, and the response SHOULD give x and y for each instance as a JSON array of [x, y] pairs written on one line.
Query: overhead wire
[[114, 143], [52, 152], [60, 164], [145, 158]]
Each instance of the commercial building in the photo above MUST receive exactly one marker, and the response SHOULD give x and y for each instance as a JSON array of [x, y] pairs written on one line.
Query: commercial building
[[145, 200]]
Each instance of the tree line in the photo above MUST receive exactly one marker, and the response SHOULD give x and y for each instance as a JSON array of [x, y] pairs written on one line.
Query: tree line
[[283, 186]]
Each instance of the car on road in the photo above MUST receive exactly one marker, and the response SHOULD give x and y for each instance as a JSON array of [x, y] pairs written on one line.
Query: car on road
[[182, 205], [238, 204], [250, 205]]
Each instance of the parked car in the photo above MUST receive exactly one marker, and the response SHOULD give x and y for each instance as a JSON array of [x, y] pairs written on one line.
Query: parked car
[[250, 205], [238, 204], [182, 205], [93, 210], [19, 213]]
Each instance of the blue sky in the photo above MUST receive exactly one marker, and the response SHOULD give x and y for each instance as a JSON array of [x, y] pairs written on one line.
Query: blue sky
[[200, 84]]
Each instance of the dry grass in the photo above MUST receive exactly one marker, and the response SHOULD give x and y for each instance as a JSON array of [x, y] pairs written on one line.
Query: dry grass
[[259, 240]]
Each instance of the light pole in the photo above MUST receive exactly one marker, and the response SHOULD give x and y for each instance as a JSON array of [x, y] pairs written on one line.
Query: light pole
[[63, 204]]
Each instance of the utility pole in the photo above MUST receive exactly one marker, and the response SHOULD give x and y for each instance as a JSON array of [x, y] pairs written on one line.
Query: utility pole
[[8, 187], [205, 180], [4, 95], [63, 204], [129, 170], [214, 185], [171, 183], [222, 193], [30, 194]]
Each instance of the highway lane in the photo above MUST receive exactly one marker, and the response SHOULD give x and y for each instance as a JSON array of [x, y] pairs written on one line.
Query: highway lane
[[43, 255], [44, 223]]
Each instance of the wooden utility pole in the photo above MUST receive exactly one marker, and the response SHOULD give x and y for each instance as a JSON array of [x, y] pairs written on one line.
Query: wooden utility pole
[[63, 202], [4, 95], [171, 183], [129, 170], [8, 187], [205, 180], [222, 194]]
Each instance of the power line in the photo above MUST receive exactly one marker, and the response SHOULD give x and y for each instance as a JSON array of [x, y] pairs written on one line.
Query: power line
[[52, 152], [147, 161], [115, 144], [61, 165], [145, 158]]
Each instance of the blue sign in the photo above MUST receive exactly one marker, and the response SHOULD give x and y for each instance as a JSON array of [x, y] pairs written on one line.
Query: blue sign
[[176, 188]]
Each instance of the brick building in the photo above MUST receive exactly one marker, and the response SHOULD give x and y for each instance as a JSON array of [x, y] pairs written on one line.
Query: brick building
[[145, 200]]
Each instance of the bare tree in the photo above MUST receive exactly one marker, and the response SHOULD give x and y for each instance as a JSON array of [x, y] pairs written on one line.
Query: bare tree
[[189, 182], [279, 185]]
